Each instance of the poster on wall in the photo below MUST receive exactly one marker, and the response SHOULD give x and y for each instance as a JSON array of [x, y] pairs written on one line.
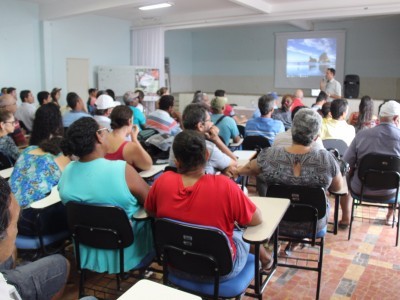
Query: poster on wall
[[147, 79]]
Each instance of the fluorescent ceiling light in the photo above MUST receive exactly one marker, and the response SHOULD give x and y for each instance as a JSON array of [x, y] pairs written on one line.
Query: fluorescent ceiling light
[[155, 6]]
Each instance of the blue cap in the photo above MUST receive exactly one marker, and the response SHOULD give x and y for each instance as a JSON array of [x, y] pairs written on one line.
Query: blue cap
[[274, 95]]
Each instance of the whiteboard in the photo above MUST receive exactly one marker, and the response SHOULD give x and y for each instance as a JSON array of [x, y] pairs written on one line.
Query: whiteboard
[[118, 78]]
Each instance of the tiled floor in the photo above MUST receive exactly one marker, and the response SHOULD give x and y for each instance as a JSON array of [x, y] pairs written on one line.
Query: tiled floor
[[366, 267]]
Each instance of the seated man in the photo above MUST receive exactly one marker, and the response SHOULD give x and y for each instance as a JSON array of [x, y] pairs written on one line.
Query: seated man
[[104, 105], [26, 112], [337, 127], [227, 126], [382, 139], [265, 125], [78, 109], [210, 200], [196, 117], [41, 279], [161, 119], [131, 100]]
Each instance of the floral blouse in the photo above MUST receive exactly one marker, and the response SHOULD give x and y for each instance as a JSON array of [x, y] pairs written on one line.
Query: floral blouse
[[33, 176]]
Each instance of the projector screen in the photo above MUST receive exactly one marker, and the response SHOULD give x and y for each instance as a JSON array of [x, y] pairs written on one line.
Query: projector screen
[[301, 58]]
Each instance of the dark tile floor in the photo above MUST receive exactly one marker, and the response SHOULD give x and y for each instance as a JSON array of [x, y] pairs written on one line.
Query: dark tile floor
[[366, 267]]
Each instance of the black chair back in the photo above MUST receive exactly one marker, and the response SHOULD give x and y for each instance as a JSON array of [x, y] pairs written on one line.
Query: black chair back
[[255, 142], [308, 204], [193, 249], [336, 146], [241, 129], [99, 226], [378, 171], [5, 161]]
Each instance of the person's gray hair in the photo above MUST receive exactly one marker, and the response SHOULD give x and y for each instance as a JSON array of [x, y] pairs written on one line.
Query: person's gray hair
[[306, 126], [129, 96]]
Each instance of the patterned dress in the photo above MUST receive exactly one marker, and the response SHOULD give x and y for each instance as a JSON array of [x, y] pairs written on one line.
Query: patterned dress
[[318, 167], [8, 147], [32, 179]]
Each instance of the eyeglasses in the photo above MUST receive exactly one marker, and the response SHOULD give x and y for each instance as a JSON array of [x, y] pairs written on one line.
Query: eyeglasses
[[103, 129], [11, 122]]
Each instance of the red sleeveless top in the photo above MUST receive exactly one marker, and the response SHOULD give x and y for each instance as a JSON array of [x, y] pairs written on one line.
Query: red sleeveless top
[[117, 155]]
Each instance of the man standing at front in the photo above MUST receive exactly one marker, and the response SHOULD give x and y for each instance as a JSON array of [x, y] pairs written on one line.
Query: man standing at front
[[330, 85]]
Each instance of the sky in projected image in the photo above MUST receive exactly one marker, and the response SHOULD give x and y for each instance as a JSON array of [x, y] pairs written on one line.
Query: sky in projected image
[[310, 57]]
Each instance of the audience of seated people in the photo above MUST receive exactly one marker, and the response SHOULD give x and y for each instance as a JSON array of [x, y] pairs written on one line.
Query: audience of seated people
[[382, 139], [185, 196], [94, 179], [337, 127], [283, 113], [118, 147], [131, 100], [77, 109], [221, 159], [26, 111], [297, 164], [38, 169], [7, 145], [9, 103], [265, 125], [227, 126], [161, 119], [284, 139], [42, 279], [364, 117], [104, 106]]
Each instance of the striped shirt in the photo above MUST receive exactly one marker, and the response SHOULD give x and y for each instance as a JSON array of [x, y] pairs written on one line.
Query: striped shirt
[[161, 121]]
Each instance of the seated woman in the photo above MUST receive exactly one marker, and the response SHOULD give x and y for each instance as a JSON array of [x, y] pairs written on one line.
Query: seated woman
[[47, 123], [364, 118], [94, 179], [298, 164], [186, 197], [38, 169], [120, 149], [7, 145]]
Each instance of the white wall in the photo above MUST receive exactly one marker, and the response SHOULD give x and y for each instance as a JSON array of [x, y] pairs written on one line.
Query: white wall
[[33, 53], [104, 41], [20, 64], [178, 47]]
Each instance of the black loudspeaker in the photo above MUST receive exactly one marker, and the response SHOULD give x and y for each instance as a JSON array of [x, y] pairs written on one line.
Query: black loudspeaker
[[351, 86]]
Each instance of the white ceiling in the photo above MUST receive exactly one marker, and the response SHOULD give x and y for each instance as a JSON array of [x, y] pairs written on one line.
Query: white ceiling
[[205, 13]]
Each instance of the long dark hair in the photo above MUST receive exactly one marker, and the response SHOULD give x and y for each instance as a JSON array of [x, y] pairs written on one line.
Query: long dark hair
[[47, 123], [366, 108]]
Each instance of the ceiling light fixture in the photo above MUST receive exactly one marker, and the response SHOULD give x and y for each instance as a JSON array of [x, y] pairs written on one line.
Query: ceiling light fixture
[[155, 6]]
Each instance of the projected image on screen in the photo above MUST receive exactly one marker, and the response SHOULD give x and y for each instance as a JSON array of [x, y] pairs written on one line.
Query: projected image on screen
[[310, 57], [301, 58]]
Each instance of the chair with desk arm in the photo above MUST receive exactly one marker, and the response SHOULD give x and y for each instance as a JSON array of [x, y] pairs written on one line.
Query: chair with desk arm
[[308, 205], [336, 146], [379, 172], [200, 251], [48, 222], [102, 227]]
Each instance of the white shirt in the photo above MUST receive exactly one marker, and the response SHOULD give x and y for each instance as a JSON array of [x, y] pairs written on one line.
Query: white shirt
[[7, 291], [26, 114], [103, 121]]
